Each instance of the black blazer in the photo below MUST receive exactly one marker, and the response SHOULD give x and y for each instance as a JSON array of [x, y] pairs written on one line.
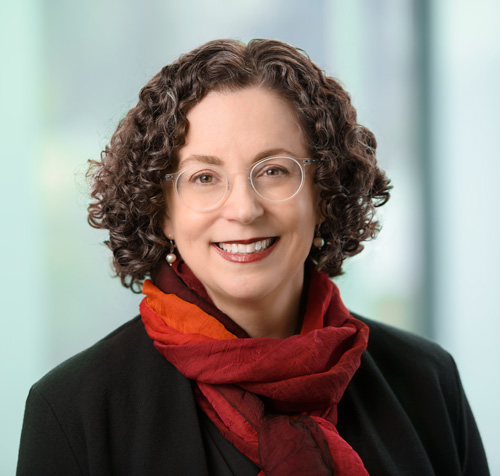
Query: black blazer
[[119, 408]]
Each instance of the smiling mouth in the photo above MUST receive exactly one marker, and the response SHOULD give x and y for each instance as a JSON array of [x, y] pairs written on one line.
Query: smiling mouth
[[242, 248]]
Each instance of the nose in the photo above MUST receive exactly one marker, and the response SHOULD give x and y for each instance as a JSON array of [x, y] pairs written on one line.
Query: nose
[[242, 204]]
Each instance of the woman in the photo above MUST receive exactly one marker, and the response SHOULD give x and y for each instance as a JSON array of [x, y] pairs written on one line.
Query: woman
[[239, 183]]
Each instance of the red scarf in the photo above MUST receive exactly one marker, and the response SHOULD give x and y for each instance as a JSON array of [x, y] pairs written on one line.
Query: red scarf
[[273, 399]]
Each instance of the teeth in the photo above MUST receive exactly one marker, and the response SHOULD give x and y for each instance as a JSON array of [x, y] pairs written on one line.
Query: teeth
[[240, 249]]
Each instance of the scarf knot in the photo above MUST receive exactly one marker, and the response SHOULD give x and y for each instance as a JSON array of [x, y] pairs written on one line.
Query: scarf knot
[[274, 399]]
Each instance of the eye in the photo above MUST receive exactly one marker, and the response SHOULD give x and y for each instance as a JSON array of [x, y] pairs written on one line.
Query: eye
[[275, 168], [205, 177], [274, 171]]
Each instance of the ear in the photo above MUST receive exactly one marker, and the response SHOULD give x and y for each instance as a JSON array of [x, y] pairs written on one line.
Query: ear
[[167, 227], [320, 211], [166, 221]]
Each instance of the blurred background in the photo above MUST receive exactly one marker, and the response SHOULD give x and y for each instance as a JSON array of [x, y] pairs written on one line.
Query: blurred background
[[424, 77]]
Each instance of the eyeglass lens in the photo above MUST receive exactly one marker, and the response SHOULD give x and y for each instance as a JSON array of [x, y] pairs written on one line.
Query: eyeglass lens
[[203, 186]]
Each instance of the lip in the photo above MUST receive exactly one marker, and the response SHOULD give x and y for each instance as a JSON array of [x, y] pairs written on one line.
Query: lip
[[245, 258]]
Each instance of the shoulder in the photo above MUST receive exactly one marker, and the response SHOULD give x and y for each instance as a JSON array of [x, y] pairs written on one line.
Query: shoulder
[[411, 369], [408, 389], [115, 406], [123, 363], [415, 373], [381, 333], [393, 347], [100, 360]]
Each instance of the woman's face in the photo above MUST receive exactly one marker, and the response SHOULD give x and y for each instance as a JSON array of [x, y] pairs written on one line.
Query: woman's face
[[236, 129]]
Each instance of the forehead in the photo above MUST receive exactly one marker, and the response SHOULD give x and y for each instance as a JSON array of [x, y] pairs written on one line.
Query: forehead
[[241, 125]]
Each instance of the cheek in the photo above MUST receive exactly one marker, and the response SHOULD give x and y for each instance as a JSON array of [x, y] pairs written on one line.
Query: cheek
[[300, 224], [190, 231], [308, 208]]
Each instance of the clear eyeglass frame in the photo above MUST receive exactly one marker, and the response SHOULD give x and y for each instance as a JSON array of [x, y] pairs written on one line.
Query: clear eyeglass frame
[[302, 163]]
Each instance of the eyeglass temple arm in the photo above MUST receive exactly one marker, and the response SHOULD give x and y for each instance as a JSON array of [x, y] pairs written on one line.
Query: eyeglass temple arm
[[308, 161]]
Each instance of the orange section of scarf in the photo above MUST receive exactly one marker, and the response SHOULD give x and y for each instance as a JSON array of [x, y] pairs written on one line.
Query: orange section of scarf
[[181, 316]]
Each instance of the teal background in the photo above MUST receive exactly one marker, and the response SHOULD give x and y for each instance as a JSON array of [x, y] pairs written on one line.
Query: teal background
[[424, 76]]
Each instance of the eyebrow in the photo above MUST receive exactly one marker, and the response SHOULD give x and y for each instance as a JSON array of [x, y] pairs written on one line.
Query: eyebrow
[[214, 160], [206, 159]]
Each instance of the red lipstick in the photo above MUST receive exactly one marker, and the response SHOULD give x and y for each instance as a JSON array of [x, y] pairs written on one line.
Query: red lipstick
[[245, 258]]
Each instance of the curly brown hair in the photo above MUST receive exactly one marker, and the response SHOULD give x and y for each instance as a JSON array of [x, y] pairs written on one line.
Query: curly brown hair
[[127, 183]]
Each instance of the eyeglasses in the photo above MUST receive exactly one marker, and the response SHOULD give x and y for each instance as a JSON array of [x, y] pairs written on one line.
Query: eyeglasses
[[204, 187]]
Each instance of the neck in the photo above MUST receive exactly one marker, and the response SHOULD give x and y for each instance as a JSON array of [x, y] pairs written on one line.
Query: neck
[[275, 315]]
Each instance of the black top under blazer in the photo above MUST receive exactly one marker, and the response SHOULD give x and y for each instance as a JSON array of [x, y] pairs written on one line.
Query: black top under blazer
[[119, 408]]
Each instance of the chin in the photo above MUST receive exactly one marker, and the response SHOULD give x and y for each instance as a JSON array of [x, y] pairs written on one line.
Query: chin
[[245, 290]]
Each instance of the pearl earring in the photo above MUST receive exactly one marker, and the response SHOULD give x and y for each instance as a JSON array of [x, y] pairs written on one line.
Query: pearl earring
[[171, 257], [318, 241]]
